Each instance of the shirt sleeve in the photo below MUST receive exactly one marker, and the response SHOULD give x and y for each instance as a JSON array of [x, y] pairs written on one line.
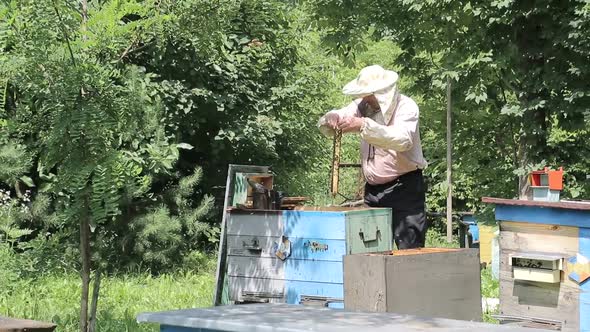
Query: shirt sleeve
[[399, 136], [348, 110]]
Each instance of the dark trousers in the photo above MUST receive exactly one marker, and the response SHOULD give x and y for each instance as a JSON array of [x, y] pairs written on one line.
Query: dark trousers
[[406, 197]]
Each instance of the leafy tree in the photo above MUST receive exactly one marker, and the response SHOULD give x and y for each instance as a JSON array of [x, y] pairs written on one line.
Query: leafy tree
[[518, 71], [92, 121], [112, 107]]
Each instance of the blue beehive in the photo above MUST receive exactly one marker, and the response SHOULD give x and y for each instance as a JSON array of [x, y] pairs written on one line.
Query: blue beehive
[[295, 256]]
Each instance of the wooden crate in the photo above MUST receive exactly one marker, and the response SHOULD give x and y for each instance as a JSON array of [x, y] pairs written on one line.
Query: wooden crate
[[545, 235], [318, 238], [427, 282]]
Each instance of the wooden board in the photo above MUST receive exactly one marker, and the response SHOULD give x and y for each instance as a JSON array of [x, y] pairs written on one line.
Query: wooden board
[[220, 280], [291, 290], [239, 285], [291, 318], [312, 249], [290, 269], [363, 288], [518, 238], [24, 325], [584, 206], [486, 235], [558, 301], [434, 284], [267, 223]]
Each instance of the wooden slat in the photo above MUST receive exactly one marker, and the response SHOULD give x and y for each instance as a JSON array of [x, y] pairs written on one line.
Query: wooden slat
[[290, 269], [239, 285], [527, 237], [255, 223], [301, 248], [534, 299], [228, 199], [360, 295], [541, 275], [24, 325], [430, 284], [451, 287], [292, 290], [518, 202]]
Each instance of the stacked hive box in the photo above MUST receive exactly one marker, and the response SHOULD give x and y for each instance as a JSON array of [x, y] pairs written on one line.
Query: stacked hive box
[[296, 256], [543, 246]]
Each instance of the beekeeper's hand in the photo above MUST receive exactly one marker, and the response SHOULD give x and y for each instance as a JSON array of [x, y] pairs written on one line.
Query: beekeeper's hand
[[332, 119], [350, 124]]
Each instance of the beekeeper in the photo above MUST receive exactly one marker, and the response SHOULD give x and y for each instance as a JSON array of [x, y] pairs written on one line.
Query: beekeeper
[[391, 152]]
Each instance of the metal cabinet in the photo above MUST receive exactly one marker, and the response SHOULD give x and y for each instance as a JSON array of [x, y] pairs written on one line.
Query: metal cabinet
[[295, 256]]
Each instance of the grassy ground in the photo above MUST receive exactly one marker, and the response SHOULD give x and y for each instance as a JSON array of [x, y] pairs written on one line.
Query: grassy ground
[[56, 299]]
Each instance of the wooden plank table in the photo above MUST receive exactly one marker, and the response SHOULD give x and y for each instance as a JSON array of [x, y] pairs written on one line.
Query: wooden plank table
[[291, 318], [24, 325]]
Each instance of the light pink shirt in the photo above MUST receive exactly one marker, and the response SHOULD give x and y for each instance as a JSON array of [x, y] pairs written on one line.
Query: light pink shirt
[[390, 141]]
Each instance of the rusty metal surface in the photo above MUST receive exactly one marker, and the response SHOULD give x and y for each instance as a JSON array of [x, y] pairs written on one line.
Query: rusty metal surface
[[517, 202]]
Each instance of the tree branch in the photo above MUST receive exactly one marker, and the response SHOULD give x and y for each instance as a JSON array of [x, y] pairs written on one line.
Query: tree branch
[[65, 33], [94, 303], [128, 49]]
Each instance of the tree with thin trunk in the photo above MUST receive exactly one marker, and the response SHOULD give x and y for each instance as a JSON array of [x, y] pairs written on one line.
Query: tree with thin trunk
[[98, 132]]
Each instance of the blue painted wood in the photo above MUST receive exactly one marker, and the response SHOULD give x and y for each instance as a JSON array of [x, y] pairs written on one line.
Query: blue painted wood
[[318, 249], [301, 248], [318, 243], [316, 271], [168, 328], [543, 215], [290, 269], [294, 290], [314, 224], [584, 248]]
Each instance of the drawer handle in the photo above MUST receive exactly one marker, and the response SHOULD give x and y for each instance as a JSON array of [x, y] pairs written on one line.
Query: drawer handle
[[368, 238], [258, 297], [253, 246], [318, 301]]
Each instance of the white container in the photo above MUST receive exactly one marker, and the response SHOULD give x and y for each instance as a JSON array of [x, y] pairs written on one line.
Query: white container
[[542, 193]]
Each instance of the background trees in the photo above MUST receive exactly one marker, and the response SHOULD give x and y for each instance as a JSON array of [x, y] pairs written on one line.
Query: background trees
[[118, 118]]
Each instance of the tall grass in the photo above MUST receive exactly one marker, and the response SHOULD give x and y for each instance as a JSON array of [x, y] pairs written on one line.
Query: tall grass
[[55, 298]]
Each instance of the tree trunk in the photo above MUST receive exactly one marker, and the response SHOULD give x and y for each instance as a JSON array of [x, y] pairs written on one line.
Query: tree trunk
[[85, 222], [94, 303], [449, 166], [85, 272], [523, 161]]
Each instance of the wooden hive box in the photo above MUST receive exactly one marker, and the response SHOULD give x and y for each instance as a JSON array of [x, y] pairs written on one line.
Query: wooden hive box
[[537, 239], [295, 256], [428, 282]]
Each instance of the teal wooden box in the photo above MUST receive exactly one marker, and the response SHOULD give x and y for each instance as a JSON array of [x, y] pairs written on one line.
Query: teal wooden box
[[314, 241]]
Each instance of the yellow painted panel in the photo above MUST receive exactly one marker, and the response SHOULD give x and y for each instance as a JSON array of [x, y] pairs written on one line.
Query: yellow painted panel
[[486, 234]]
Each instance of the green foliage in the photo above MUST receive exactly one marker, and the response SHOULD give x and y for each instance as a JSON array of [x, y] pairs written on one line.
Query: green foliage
[[15, 163], [50, 298], [514, 65], [95, 125], [11, 210]]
